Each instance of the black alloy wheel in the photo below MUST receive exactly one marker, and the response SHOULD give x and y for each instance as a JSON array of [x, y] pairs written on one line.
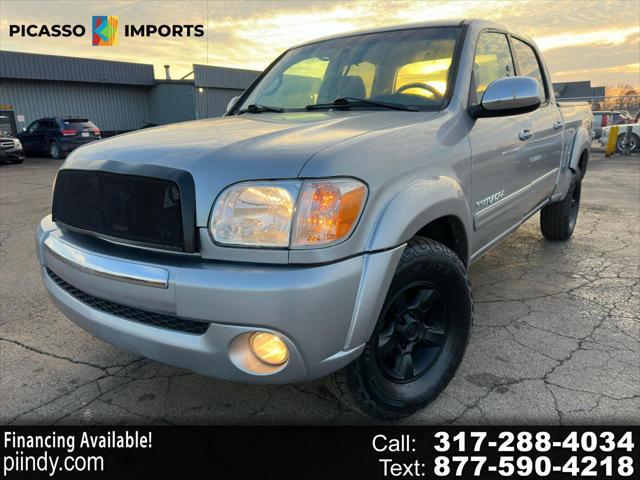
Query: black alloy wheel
[[412, 332]]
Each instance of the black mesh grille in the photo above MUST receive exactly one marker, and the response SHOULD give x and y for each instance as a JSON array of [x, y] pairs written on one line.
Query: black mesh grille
[[130, 313], [135, 208]]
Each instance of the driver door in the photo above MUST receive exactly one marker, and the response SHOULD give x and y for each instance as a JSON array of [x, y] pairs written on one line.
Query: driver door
[[32, 137], [496, 149]]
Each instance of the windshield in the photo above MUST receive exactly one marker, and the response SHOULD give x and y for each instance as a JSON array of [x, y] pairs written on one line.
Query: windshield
[[405, 67]]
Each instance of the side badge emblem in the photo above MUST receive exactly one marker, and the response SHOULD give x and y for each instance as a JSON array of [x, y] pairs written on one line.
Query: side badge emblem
[[492, 199]]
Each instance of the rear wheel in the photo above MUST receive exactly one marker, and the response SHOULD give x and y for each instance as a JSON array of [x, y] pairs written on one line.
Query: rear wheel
[[55, 151], [420, 337], [558, 220]]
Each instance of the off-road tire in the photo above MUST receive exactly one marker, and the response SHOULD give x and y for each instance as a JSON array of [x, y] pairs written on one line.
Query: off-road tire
[[558, 220], [362, 385]]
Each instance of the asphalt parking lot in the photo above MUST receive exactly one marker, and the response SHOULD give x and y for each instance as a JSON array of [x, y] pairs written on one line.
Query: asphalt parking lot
[[556, 336]]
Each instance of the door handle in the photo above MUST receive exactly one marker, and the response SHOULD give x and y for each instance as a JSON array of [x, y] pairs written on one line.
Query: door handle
[[557, 125], [525, 134]]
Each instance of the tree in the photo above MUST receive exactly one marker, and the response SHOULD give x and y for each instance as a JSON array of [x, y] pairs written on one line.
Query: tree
[[621, 97]]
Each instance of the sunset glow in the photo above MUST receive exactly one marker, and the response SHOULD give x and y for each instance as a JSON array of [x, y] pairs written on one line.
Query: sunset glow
[[582, 40]]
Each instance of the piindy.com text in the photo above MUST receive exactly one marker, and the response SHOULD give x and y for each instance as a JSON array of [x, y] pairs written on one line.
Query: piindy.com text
[[50, 463], [32, 452]]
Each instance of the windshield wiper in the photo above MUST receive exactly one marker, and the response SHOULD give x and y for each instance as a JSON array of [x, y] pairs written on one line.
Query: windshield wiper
[[253, 108], [358, 102]]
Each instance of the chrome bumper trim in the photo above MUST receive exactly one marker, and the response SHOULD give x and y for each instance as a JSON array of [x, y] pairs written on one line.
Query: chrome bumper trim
[[118, 270]]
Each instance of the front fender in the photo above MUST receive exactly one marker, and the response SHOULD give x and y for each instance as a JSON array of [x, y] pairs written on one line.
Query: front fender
[[416, 206]]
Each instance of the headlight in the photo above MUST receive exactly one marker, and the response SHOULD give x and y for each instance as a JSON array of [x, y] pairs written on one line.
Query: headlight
[[263, 214], [17, 144], [257, 214]]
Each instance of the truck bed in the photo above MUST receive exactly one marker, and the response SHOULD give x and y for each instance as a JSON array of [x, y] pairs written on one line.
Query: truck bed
[[573, 113]]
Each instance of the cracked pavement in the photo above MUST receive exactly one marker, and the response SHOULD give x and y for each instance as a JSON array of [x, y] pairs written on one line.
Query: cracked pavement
[[556, 337]]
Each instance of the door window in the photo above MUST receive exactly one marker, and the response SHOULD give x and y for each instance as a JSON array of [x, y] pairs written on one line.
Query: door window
[[35, 127], [492, 61], [528, 64]]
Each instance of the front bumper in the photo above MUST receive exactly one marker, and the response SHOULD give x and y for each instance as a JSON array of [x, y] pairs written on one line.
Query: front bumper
[[11, 154], [324, 313]]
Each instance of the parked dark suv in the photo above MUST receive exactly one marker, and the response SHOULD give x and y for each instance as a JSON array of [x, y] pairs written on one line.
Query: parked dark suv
[[58, 136]]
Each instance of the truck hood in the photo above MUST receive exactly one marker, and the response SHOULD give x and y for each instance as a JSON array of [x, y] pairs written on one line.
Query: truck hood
[[222, 151]]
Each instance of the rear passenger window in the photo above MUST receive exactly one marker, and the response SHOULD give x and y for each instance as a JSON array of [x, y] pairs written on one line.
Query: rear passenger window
[[528, 63], [492, 61]]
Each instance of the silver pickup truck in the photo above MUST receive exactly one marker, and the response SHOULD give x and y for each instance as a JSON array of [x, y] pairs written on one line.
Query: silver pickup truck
[[326, 223]]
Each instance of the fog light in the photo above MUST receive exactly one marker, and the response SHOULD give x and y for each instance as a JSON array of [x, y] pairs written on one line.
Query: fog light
[[269, 348]]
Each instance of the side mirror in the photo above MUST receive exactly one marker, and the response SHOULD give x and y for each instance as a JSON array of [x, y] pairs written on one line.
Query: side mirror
[[231, 103], [24, 129], [508, 96]]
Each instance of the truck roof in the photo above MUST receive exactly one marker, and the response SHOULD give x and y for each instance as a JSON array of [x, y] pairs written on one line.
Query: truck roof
[[476, 22]]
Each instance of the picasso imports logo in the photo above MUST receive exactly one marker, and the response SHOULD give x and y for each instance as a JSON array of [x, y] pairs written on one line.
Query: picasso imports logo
[[104, 31]]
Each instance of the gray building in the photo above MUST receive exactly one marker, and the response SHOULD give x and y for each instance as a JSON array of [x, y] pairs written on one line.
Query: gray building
[[579, 90], [116, 96], [215, 86]]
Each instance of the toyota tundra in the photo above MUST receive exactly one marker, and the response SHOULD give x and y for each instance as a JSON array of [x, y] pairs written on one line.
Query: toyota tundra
[[326, 224]]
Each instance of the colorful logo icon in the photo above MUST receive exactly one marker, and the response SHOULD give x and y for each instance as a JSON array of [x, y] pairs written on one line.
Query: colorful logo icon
[[104, 31]]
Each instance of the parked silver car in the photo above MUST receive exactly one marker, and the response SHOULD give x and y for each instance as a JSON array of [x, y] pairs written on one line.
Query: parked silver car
[[327, 222]]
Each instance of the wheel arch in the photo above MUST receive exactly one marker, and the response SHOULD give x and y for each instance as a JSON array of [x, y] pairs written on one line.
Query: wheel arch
[[583, 162], [581, 145], [572, 163], [450, 231], [435, 208]]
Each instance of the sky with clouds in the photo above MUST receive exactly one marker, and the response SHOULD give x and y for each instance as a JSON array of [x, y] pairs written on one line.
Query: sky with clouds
[[582, 40]]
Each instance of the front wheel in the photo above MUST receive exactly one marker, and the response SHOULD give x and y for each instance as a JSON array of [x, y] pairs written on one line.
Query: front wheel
[[420, 337]]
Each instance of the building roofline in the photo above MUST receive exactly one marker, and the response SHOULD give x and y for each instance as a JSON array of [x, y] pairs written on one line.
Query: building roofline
[[38, 66], [164, 81], [50, 55]]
